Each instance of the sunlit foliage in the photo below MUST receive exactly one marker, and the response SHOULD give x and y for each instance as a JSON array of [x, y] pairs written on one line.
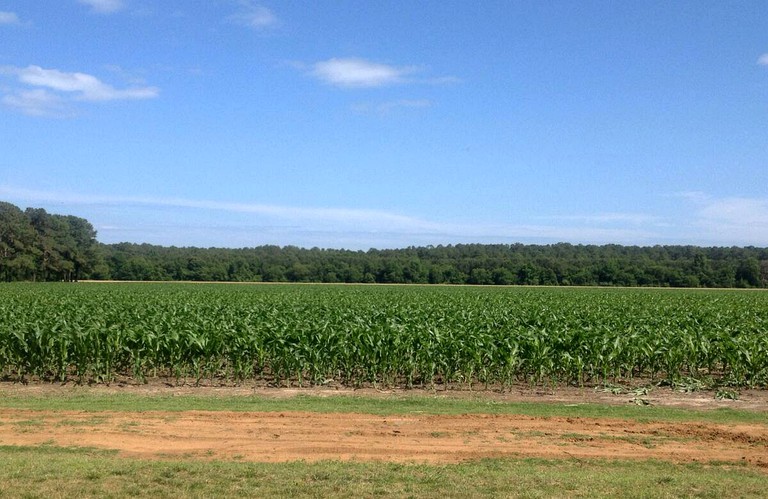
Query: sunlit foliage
[[382, 335]]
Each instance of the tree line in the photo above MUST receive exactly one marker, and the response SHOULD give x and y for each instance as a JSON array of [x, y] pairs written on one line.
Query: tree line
[[35, 245], [39, 246], [558, 264]]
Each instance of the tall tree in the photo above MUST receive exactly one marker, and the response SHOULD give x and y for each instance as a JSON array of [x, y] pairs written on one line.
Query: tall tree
[[52, 241], [17, 244]]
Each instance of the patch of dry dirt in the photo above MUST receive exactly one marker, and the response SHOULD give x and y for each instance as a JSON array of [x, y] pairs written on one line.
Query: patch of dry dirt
[[287, 436]]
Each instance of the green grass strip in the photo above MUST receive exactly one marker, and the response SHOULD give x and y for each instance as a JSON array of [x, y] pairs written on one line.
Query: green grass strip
[[87, 400], [48, 472]]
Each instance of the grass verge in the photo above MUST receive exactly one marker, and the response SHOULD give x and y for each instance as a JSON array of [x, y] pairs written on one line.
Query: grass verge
[[52, 472], [84, 399]]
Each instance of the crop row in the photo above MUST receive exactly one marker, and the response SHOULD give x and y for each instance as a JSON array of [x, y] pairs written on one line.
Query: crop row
[[382, 335]]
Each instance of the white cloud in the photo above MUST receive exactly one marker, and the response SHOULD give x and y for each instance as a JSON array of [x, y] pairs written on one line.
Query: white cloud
[[55, 90], [9, 18], [763, 60], [705, 220], [354, 72], [104, 6], [38, 102], [172, 220], [254, 16], [372, 219], [84, 86], [729, 220], [740, 212]]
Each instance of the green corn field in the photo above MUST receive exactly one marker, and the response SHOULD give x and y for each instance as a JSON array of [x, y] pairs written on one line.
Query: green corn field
[[381, 335]]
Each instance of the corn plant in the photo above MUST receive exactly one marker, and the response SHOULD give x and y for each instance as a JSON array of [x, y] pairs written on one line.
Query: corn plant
[[358, 335]]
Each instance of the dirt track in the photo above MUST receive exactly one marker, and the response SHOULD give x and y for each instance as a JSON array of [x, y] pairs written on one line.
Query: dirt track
[[287, 436]]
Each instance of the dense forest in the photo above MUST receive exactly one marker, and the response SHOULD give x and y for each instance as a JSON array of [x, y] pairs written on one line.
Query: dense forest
[[38, 246]]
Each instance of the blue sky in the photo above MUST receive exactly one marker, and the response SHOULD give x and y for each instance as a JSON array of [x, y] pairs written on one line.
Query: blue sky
[[358, 124]]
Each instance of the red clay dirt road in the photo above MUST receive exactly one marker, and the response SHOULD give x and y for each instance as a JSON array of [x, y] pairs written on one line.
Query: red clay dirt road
[[287, 436]]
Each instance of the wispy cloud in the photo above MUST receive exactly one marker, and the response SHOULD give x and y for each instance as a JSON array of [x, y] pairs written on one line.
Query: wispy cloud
[[738, 212], [609, 218], [133, 77], [763, 60], [104, 6], [384, 108], [58, 89], [37, 102], [254, 16], [84, 86], [729, 220], [706, 220], [375, 219], [9, 18], [142, 218], [353, 72]]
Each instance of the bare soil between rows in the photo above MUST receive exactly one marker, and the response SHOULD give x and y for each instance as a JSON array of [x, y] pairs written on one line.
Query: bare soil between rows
[[311, 436]]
